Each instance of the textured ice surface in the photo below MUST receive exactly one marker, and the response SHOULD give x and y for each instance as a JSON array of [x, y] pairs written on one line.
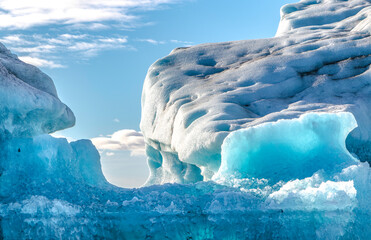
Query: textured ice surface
[[270, 121], [312, 15], [195, 97], [28, 100]]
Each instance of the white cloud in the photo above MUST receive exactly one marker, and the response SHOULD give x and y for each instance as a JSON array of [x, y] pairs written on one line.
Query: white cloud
[[116, 120], [82, 46], [79, 20], [38, 62], [21, 14], [122, 140], [11, 39], [152, 41], [182, 42], [40, 49], [114, 40], [110, 154], [93, 46], [89, 26], [157, 42], [72, 36], [36, 49], [44, 50]]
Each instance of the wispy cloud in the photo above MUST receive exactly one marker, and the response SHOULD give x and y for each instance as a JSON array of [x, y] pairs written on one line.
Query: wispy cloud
[[110, 154], [35, 49], [42, 50], [122, 140], [181, 42], [152, 41], [14, 40], [38, 50], [21, 14], [157, 42], [38, 62], [51, 33], [114, 40]]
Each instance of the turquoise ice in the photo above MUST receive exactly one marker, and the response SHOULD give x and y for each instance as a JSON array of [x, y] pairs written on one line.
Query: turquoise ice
[[257, 139], [289, 149]]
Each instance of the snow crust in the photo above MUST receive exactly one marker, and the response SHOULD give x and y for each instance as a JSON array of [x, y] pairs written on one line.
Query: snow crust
[[280, 127], [324, 14]]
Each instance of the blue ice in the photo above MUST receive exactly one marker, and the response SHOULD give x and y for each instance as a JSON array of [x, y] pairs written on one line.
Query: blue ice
[[289, 149]]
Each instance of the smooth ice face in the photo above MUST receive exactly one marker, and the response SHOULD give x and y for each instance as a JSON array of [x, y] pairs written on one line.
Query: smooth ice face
[[289, 149], [29, 104]]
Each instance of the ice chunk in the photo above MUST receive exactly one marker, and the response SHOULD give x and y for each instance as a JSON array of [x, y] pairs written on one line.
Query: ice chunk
[[289, 149], [314, 194], [40, 204]]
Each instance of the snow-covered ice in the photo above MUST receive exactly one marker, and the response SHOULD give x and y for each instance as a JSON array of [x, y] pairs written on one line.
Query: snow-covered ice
[[255, 139], [195, 97]]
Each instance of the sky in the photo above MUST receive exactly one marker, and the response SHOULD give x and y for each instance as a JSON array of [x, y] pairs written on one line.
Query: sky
[[98, 52]]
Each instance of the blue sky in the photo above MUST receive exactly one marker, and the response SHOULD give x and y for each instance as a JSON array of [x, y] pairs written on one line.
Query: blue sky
[[98, 52]]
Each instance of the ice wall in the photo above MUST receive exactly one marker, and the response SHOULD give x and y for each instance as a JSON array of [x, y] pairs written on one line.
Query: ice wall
[[195, 97]]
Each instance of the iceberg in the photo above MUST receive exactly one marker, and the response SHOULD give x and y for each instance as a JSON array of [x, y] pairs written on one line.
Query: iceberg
[[195, 97], [256, 139]]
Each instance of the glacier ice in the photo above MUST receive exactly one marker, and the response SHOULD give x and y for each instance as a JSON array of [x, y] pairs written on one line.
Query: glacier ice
[[257, 139]]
